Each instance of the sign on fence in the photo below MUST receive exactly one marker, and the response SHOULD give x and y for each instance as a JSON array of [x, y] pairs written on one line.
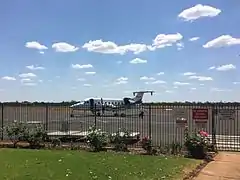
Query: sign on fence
[[181, 116], [180, 113], [200, 115], [181, 122], [226, 114]]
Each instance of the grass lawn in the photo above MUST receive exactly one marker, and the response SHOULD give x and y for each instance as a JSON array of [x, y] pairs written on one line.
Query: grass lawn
[[23, 164]]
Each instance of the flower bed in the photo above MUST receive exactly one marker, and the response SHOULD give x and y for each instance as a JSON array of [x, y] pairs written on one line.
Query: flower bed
[[197, 144]]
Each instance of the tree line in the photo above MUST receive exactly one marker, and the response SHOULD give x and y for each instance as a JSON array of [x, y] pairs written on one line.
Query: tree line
[[69, 103]]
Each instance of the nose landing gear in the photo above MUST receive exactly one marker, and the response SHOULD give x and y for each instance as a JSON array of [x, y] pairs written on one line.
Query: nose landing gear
[[141, 115]]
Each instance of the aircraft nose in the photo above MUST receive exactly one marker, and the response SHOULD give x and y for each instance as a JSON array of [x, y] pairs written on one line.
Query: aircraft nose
[[72, 106], [76, 105]]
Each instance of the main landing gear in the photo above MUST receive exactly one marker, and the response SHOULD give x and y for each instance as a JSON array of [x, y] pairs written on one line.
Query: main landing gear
[[119, 115]]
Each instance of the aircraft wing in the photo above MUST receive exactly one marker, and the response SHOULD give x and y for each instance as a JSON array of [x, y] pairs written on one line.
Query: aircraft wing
[[110, 106]]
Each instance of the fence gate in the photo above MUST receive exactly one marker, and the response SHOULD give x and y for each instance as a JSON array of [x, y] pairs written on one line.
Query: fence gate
[[227, 127]]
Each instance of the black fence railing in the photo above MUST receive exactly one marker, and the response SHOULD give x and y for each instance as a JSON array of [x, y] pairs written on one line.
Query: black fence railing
[[164, 124]]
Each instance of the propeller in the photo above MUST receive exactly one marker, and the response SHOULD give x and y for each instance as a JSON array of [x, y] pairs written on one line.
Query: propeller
[[102, 106]]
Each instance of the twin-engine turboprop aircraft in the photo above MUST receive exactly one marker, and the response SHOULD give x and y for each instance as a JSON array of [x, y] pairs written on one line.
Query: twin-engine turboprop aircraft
[[99, 106]]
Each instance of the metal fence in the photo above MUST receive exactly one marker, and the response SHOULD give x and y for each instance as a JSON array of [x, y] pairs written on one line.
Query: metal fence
[[164, 124]]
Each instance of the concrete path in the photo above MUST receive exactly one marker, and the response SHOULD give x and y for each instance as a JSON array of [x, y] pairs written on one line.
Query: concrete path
[[225, 167]]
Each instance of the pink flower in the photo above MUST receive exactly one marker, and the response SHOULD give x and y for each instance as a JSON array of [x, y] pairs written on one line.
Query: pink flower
[[203, 133], [145, 138]]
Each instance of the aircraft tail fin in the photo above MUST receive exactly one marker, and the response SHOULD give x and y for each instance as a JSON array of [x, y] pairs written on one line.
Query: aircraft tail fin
[[139, 96]]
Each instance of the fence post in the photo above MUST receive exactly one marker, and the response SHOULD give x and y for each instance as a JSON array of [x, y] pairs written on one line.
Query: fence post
[[150, 122], [2, 105], [46, 126], [214, 126]]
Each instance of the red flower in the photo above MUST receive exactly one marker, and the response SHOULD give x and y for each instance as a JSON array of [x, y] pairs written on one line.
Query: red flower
[[203, 133], [145, 138]]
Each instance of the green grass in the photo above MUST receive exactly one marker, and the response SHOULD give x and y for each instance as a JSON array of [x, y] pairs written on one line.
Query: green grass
[[23, 164]]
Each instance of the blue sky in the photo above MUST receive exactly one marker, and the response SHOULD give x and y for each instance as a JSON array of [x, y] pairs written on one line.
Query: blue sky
[[71, 50]]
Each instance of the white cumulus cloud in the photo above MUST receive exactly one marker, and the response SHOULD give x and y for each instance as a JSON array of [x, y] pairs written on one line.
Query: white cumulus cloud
[[27, 75], [81, 79], [26, 80], [35, 45], [222, 41], [212, 67], [156, 82], [226, 67], [180, 45], [160, 73], [121, 80], [180, 83], [201, 78], [145, 78], [64, 47], [90, 73], [194, 39], [164, 40], [199, 11], [109, 47], [9, 78], [220, 90], [189, 73], [138, 61], [87, 85], [32, 67], [83, 66], [135, 48]]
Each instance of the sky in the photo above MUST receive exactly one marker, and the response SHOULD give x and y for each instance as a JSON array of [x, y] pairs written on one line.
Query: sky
[[71, 50]]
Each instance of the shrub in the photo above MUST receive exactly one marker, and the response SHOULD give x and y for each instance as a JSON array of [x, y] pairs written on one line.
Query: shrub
[[147, 144], [15, 132], [197, 144], [96, 138], [121, 140], [176, 148], [20, 131], [35, 136], [56, 142]]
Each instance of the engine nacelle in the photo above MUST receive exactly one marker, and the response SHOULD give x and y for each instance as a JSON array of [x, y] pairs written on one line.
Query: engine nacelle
[[126, 101]]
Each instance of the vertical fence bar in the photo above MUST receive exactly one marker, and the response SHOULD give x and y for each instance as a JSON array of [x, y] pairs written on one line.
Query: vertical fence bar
[[47, 117], [214, 126], [150, 122], [2, 122], [95, 115]]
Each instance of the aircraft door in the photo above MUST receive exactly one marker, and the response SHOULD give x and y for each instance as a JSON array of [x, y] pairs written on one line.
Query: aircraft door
[[91, 102]]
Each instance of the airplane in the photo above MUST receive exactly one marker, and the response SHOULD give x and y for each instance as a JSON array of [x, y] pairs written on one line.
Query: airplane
[[98, 105]]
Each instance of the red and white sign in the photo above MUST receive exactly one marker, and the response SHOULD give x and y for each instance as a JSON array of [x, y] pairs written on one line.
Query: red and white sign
[[200, 115]]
